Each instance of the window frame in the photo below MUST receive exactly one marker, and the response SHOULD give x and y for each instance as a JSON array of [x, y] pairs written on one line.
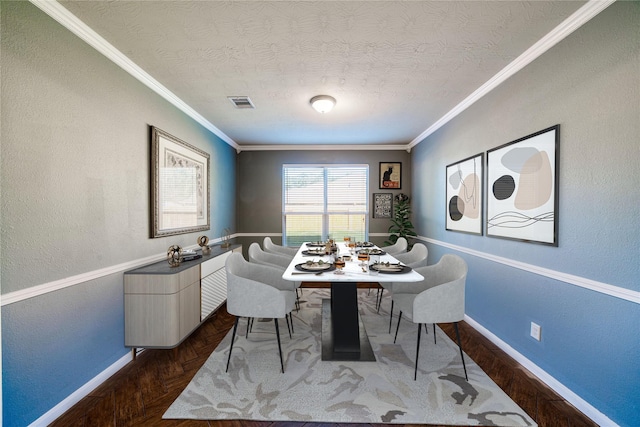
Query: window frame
[[325, 212]]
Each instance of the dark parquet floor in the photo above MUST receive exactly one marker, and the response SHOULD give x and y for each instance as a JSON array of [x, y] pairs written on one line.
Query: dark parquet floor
[[140, 393]]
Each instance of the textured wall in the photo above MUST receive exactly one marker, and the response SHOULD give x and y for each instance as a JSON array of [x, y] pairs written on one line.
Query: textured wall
[[589, 84], [75, 198]]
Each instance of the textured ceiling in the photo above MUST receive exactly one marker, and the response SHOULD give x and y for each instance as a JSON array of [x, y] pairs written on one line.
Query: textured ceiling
[[395, 67]]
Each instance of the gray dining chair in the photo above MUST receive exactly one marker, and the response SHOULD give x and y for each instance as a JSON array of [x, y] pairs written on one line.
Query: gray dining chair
[[257, 291], [399, 246], [439, 298], [281, 262], [287, 251], [416, 257], [259, 256]]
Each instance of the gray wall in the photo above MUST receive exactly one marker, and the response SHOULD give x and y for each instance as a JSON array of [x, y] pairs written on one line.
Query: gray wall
[[259, 198], [589, 84], [75, 201]]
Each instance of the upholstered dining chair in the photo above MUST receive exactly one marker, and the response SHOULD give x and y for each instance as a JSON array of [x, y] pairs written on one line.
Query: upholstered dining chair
[[439, 298], [287, 251], [256, 290], [399, 246], [416, 257], [258, 256]]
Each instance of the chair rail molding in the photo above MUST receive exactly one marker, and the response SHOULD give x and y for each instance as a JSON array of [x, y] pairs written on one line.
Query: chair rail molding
[[37, 290], [603, 288]]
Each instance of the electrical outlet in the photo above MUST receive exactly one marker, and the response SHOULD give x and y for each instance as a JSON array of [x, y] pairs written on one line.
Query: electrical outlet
[[536, 331]]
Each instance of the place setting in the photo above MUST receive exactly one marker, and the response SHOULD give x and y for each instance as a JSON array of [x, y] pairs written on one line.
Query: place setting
[[313, 266]]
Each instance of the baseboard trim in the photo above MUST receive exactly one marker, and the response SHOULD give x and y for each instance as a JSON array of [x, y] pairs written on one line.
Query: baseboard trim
[[75, 397], [571, 397]]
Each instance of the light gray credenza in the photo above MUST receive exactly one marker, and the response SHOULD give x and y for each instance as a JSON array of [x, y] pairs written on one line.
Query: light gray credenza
[[163, 305]]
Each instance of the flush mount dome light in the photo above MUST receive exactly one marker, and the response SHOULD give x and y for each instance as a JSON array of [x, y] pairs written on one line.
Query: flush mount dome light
[[322, 103]]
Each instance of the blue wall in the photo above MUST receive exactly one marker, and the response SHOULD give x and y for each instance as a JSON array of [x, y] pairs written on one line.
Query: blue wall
[[589, 84], [75, 201]]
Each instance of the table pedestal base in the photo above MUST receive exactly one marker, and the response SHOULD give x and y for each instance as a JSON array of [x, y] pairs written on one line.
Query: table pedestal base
[[359, 350]]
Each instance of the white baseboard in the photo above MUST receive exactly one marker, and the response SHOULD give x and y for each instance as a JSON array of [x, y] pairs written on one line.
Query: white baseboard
[[75, 397], [583, 406]]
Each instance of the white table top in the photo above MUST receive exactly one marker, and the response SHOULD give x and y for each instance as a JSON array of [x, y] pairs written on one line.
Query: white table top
[[352, 271]]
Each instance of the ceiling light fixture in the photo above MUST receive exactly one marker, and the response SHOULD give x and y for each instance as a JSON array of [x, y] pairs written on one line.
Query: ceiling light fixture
[[322, 103]]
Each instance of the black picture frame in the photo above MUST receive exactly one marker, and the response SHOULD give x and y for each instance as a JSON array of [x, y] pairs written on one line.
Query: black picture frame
[[522, 188], [383, 205], [390, 176], [464, 195]]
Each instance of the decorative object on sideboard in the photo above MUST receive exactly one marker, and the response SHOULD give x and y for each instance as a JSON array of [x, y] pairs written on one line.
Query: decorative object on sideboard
[[226, 238], [174, 255], [203, 242]]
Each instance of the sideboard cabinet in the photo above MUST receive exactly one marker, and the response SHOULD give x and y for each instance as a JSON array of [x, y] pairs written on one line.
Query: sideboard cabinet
[[163, 304]]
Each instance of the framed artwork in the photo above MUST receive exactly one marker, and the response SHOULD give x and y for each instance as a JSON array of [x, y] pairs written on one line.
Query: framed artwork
[[522, 187], [390, 175], [464, 195], [382, 205], [179, 186]]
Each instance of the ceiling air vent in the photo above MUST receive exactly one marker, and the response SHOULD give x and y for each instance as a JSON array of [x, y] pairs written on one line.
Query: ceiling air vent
[[241, 101]]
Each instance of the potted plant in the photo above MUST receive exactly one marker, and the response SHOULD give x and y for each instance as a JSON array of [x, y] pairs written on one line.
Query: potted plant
[[401, 225]]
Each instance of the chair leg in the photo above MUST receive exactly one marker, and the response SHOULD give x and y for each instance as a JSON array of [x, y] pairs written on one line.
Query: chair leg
[[415, 372], [460, 347], [434, 333], [286, 316], [279, 345], [233, 337], [397, 327], [291, 317], [390, 316], [249, 326], [379, 296]]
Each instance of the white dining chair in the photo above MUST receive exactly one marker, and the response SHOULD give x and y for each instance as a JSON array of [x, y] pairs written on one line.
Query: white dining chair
[[398, 247], [439, 298], [256, 290], [269, 246], [416, 257]]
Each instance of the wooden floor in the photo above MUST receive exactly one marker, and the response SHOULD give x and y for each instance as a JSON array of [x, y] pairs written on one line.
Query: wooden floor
[[142, 391]]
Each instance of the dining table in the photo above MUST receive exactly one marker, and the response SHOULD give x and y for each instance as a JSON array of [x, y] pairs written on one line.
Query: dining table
[[343, 335]]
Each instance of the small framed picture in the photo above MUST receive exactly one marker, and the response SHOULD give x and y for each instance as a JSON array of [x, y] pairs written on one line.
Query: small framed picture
[[382, 205], [391, 175]]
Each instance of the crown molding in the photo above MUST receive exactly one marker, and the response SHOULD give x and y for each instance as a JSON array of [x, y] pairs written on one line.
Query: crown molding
[[68, 20], [323, 147], [56, 11], [568, 26]]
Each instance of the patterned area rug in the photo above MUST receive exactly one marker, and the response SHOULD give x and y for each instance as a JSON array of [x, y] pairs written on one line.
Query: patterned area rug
[[344, 392]]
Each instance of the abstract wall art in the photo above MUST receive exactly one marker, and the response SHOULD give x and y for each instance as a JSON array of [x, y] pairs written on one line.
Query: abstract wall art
[[522, 187], [464, 195]]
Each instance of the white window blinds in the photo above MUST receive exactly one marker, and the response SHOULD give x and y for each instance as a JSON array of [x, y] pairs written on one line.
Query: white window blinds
[[324, 201]]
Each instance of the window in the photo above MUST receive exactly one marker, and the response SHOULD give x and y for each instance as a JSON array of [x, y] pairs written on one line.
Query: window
[[324, 201]]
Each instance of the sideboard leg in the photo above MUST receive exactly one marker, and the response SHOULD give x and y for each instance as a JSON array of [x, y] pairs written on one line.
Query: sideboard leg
[[133, 354]]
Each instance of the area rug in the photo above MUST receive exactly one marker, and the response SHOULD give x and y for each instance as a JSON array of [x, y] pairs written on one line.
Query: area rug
[[344, 392]]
